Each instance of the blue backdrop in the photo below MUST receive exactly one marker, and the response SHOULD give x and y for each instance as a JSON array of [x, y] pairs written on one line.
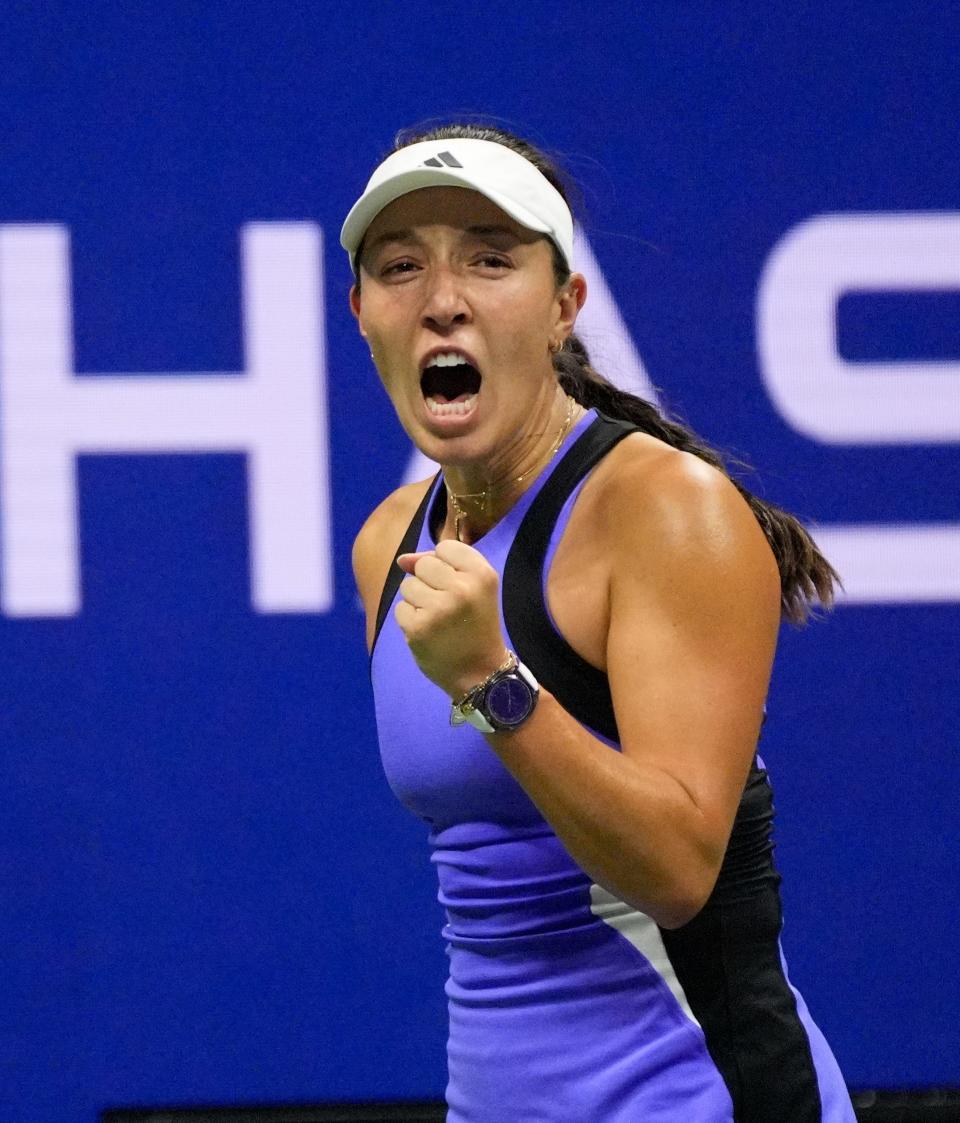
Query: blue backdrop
[[209, 894]]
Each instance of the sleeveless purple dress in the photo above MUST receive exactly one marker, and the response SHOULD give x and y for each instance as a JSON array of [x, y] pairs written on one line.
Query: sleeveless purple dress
[[567, 1005]]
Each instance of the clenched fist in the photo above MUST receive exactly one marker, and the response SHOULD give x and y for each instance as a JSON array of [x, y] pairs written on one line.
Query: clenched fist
[[449, 612]]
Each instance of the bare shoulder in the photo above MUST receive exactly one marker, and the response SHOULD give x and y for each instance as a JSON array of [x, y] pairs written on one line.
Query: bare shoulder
[[377, 541], [384, 528], [671, 515]]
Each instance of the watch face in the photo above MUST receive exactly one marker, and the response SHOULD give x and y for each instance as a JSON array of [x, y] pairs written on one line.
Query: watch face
[[508, 700]]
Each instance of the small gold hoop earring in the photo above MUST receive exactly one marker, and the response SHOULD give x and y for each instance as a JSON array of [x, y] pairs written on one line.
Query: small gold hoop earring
[[555, 346]]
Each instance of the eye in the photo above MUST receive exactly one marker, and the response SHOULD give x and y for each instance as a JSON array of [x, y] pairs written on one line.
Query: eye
[[398, 268], [493, 260]]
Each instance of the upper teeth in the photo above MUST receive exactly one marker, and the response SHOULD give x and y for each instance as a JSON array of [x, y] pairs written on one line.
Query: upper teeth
[[446, 359]]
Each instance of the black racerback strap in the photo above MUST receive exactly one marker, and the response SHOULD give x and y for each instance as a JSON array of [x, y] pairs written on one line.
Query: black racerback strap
[[396, 574], [580, 688]]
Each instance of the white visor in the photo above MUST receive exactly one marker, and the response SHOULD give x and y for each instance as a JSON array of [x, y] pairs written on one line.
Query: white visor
[[502, 175]]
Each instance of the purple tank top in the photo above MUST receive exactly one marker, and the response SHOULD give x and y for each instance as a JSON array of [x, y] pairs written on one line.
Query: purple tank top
[[564, 1002], [452, 776]]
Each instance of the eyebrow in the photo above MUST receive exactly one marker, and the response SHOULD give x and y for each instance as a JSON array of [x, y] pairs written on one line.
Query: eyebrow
[[390, 236], [496, 231], [408, 236]]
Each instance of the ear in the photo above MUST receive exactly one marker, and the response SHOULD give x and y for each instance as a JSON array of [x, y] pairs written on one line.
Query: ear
[[355, 307], [570, 299]]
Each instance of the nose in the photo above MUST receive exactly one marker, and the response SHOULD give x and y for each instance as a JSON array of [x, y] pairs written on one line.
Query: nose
[[445, 305]]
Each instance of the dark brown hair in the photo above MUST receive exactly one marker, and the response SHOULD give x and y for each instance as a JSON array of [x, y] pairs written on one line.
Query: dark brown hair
[[805, 574]]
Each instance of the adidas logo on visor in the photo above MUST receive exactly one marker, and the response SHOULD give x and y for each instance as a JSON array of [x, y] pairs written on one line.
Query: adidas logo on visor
[[440, 159]]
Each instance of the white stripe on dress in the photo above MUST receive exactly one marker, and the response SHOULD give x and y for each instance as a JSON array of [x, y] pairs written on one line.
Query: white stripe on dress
[[642, 932]]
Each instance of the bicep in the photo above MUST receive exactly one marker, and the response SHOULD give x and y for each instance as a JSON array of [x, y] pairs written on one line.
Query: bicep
[[694, 614]]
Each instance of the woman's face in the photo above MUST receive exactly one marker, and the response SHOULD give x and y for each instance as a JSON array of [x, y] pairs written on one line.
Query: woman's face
[[446, 275]]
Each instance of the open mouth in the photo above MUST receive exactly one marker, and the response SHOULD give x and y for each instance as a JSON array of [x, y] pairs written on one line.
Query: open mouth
[[450, 384]]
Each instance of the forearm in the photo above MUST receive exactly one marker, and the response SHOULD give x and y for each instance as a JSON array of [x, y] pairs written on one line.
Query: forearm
[[629, 824]]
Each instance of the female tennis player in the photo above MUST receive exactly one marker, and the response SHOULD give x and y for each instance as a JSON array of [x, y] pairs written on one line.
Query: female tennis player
[[572, 629]]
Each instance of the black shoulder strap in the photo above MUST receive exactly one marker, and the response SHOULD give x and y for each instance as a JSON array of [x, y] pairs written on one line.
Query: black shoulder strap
[[581, 689], [395, 575]]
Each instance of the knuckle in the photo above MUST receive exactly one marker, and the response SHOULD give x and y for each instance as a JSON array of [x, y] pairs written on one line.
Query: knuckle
[[489, 577]]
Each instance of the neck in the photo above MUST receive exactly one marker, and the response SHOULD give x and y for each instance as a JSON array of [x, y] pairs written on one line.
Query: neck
[[477, 501]]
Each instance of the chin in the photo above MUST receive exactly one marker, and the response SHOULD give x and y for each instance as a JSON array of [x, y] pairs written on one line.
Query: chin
[[451, 451]]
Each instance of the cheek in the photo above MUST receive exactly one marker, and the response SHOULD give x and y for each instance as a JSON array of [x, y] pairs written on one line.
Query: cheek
[[385, 330], [529, 311], [391, 378], [379, 342], [523, 330]]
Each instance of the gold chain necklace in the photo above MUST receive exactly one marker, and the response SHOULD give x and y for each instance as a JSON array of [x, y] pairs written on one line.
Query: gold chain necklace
[[456, 501]]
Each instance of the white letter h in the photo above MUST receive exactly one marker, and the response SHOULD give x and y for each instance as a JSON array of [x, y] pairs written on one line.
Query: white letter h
[[275, 412]]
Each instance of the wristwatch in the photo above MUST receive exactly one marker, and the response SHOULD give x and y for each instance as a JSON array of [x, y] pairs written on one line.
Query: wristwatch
[[500, 703]]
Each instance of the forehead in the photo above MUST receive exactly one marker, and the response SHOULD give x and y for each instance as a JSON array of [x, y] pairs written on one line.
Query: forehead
[[457, 207]]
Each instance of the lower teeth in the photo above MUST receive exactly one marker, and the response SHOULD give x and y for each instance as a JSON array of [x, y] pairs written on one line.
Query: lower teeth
[[447, 409]]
